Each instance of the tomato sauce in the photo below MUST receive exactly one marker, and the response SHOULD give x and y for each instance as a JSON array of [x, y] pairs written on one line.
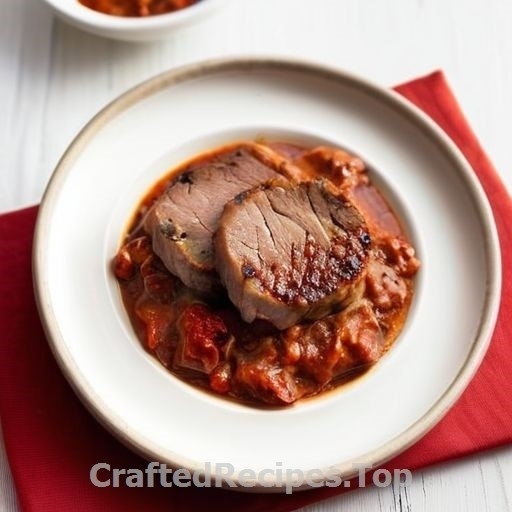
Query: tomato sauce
[[204, 341], [134, 8]]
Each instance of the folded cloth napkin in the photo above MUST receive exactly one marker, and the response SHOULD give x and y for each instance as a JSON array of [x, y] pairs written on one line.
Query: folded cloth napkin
[[52, 441]]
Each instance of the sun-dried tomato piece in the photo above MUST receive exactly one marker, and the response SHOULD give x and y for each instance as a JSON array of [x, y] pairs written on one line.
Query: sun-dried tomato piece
[[157, 318], [201, 334], [220, 378], [131, 255]]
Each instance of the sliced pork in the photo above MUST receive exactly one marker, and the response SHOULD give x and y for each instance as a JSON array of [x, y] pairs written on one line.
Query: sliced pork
[[185, 217], [289, 251], [183, 220]]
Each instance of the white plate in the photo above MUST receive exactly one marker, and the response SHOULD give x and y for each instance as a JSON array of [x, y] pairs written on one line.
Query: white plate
[[160, 123]]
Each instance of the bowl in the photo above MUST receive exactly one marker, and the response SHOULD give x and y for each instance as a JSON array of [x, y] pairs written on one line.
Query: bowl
[[131, 28]]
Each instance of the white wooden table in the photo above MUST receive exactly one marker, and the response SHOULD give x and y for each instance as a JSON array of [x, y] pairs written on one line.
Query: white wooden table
[[54, 78]]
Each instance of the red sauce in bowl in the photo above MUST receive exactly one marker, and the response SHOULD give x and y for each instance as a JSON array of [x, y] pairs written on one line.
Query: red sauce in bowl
[[136, 8]]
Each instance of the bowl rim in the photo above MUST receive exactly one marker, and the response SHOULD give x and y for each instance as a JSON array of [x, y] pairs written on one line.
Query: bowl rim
[[74, 10], [432, 131]]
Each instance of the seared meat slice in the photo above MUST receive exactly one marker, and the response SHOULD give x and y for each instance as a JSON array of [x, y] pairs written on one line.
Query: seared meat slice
[[286, 251], [183, 220]]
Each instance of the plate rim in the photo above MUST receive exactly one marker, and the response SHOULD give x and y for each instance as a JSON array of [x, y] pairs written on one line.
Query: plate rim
[[421, 120]]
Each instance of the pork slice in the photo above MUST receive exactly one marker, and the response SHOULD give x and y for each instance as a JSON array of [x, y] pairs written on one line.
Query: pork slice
[[183, 220], [287, 251]]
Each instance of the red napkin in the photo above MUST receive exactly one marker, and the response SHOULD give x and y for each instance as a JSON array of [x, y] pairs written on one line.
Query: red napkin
[[52, 441]]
